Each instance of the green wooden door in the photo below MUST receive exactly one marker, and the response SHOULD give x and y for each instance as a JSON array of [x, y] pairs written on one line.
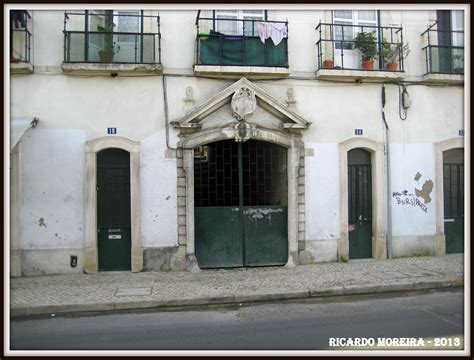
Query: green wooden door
[[113, 209], [240, 195], [360, 204], [453, 194]]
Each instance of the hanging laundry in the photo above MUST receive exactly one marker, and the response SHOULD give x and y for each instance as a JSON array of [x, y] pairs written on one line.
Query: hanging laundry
[[276, 31], [262, 31]]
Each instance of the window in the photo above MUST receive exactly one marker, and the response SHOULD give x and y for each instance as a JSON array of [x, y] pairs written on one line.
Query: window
[[18, 19], [128, 22], [348, 23], [351, 17], [20, 35], [450, 27], [457, 24], [235, 27], [111, 36]]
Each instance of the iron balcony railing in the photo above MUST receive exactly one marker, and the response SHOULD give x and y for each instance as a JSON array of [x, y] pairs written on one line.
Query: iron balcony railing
[[336, 48], [444, 52], [240, 44], [120, 37], [20, 36]]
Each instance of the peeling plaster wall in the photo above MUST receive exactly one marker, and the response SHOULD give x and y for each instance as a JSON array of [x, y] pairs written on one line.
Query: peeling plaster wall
[[435, 114], [50, 24], [337, 110], [413, 220], [322, 201], [158, 193], [52, 199], [133, 105]]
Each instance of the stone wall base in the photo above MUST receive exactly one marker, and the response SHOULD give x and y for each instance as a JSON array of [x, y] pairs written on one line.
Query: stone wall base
[[324, 250], [51, 261], [15, 263], [413, 245]]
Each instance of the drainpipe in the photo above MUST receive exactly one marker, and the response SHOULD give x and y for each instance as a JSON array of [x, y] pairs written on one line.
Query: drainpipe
[[387, 174]]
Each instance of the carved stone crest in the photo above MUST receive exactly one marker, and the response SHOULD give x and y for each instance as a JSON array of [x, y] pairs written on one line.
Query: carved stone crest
[[242, 131], [243, 103], [189, 100], [291, 98]]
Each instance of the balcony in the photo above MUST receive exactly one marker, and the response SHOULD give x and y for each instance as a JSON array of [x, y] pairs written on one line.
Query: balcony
[[444, 55], [20, 42], [109, 42], [339, 55], [240, 51]]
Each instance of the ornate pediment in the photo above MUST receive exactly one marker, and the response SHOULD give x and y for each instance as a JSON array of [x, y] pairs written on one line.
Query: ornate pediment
[[243, 99]]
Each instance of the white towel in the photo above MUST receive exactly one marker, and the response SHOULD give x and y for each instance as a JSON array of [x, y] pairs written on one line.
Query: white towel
[[276, 31]]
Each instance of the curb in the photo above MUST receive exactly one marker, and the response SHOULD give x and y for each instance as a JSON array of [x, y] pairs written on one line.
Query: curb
[[233, 299]]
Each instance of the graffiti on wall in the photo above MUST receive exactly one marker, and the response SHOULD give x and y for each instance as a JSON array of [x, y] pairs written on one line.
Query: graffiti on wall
[[419, 199]]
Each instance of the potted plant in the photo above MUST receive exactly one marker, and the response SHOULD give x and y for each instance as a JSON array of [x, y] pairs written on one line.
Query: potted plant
[[109, 49], [391, 54], [458, 63], [328, 64], [14, 59], [366, 42]]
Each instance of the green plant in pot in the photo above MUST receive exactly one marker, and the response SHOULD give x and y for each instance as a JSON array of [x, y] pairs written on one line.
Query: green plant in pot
[[458, 63], [366, 43], [391, 54], [109, 48]]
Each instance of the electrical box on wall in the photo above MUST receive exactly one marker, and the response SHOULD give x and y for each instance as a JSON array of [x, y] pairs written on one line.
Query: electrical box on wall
[[406, 101], [73, 261]]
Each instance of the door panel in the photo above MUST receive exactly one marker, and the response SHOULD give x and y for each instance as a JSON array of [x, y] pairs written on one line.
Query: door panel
[[240, 204], [454, 232], [114, 248], [266, 234], [360, 204], [219, 237], [113, 209]]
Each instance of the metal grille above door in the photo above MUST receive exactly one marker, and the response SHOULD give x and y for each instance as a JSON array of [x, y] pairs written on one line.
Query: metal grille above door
[[240, 204]]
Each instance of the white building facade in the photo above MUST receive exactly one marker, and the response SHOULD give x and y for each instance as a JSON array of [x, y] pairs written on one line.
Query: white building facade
[[228, 138]]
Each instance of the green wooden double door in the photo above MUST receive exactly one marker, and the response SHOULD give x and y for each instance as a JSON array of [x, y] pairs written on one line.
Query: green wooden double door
[[360, 204], [240, 195], [113, 209]]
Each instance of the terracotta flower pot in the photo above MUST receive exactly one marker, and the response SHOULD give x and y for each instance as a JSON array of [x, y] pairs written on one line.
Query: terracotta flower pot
[[368, 64], [106, 56], [392, 66], [328, 64]]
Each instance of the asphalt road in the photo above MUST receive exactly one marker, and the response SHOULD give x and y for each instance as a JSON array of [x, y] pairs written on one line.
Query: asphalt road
[[305, 325]]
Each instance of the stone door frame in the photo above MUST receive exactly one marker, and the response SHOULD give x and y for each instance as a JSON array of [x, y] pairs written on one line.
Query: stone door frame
[[295, 148], [440, 147], [379, 243], [91, 262]]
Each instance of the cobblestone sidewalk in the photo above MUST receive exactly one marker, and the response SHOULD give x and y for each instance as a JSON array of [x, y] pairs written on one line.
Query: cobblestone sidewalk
[[125, 290]]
